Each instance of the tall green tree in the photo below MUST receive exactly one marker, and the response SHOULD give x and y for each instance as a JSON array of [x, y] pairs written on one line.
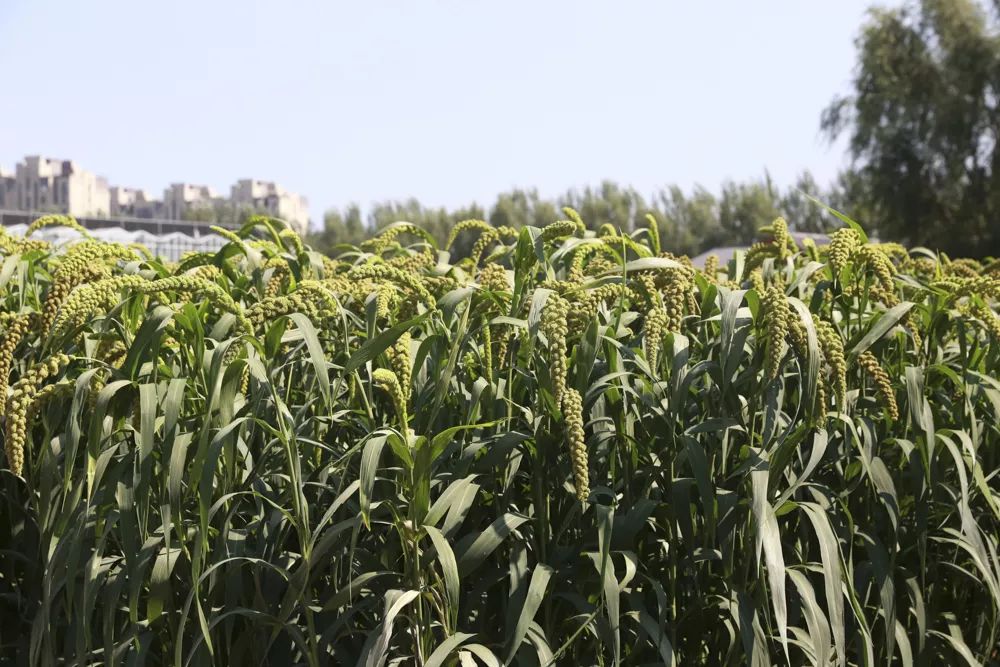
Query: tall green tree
[[745, 207], [801, 212], [923, 121], [518, 208]]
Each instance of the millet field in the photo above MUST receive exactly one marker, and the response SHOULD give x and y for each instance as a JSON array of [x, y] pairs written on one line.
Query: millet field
[[564, 447]]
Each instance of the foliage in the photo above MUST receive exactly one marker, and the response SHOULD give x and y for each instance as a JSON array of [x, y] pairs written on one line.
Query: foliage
[[689, 223], [922, 122], [569, 448]]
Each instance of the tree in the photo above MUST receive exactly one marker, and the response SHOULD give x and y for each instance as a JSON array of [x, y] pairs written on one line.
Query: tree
[[344, 226], [803, 214], [622, 208], [688, 223], [923, 121], [746, 207], [518, 208]]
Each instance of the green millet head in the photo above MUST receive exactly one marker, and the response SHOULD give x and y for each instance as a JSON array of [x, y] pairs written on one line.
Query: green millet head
[[797, 335], [227, 234], [600, 265], [387, 237], [822, 400], [401, 362], [62, 284], [878, 263], [883, 384], [711, 270], [278, 276], [311, 298], [57, 220], [676, 298], [832, 346], [755, 256], [413, 262], [85, 300], [16, 329], [776, 315], [574, 217], [843, 243], [559, 229], [555, 328], [593, 259], [494, 278], [18, 406], [480, 225], [964, 267], [986, 286], [385, 299], [292, 240], [990, 320], [654, 331], [386, 380], [479, 247], [46, 394], [394, 277], [783, 242], [572, 407]]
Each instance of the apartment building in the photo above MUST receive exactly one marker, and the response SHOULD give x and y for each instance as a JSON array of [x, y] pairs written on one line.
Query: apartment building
[[7, 182], [134, 203], [180, 198], [268, 196], [59, 186]]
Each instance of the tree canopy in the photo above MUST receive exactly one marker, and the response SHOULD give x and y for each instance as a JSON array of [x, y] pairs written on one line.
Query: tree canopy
[[690, 222], [923, 119]]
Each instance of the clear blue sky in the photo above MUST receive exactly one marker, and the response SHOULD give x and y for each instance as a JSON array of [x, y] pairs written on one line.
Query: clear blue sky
[[450, 102]]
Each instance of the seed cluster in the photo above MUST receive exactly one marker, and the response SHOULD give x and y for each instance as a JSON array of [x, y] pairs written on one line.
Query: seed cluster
[[572, 406], [832, 346], [883, 384], [386, 380], [57, 220], [776, 316], [657, 325], [554, 326], [843, 243], [16, 330], [19, 403]]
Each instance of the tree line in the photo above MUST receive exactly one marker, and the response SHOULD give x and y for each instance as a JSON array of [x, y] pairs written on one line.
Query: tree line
[[689, 221], [923, 122]]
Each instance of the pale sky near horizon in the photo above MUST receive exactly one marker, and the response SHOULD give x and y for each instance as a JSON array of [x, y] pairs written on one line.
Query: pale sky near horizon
[[450, 102]]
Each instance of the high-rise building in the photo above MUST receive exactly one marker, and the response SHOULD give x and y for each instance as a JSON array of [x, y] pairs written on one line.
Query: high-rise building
[[268, 196], [181, 198], [7, 183], [57, 186], [43, 185], [134, 203]]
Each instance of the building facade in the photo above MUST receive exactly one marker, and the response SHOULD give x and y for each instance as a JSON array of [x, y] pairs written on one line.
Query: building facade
[[47, 185], [57, 186], [134, 203], [268, 196], [181, 199], [7, 183]]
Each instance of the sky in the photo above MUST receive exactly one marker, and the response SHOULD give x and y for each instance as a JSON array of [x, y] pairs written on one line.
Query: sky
[[447, 101]]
